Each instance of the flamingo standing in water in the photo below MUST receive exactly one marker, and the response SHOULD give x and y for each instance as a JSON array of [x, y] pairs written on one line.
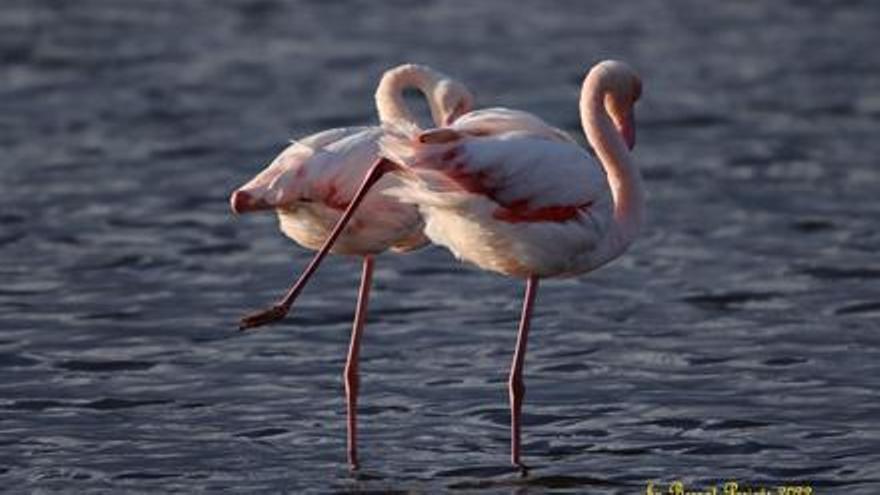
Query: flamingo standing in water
[[520, 203], [511, 194], [313, 180]]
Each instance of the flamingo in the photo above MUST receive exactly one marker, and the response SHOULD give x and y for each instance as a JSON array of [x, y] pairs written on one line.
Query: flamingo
[[313, 180], [511, 194], [527, 204]]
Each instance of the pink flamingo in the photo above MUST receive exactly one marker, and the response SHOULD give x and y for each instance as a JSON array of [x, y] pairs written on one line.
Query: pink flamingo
[[313, 181], [511, 194], [525, 203]]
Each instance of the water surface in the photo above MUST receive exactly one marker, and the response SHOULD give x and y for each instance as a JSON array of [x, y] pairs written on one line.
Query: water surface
[[738, 340]]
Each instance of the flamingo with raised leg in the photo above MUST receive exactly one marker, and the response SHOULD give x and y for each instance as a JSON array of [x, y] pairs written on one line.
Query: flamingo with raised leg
[[313, 181], [511, 194]]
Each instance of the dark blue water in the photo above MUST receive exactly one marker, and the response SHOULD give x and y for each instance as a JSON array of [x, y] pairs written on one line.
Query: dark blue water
[[738, 340]]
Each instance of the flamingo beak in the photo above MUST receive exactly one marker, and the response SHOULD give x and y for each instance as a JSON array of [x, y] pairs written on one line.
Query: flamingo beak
[[628, 129], [269, 189], [277, 312], [242, 201]]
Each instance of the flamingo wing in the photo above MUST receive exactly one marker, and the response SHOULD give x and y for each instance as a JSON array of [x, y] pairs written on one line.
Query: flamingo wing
[[327, 166], [527, 177], [494, 121], [324, 139]]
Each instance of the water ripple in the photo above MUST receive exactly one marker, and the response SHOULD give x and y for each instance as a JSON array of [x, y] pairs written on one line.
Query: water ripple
[[735, 340]]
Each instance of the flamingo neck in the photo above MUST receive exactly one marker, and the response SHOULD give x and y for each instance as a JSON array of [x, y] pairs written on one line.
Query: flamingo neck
[[624, 177], [389, 94]]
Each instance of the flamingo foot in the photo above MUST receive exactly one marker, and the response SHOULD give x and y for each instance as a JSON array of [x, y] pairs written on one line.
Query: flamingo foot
[[274, 314], [523, 469]]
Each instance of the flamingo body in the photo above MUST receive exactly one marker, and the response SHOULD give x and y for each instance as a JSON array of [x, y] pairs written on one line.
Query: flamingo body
[[313, 180], [514, 202]]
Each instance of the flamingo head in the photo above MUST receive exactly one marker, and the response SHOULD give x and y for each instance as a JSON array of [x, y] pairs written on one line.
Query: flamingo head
[[270, 189], [623, 91], [453, 100]]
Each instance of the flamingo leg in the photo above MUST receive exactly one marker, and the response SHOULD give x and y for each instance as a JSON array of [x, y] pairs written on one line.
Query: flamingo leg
[[351, 375], [516, 386], [280, 310]]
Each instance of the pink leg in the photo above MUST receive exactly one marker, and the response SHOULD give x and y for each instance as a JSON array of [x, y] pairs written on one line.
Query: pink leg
[[352, 379], [515, 384], [280, 310]]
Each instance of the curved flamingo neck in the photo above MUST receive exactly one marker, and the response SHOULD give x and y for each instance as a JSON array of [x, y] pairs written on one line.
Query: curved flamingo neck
[[624, 177], [389, 94]]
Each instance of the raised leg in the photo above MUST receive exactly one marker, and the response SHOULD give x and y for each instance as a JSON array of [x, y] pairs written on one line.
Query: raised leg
[[280, 310], [352, 378], [515, 385]]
